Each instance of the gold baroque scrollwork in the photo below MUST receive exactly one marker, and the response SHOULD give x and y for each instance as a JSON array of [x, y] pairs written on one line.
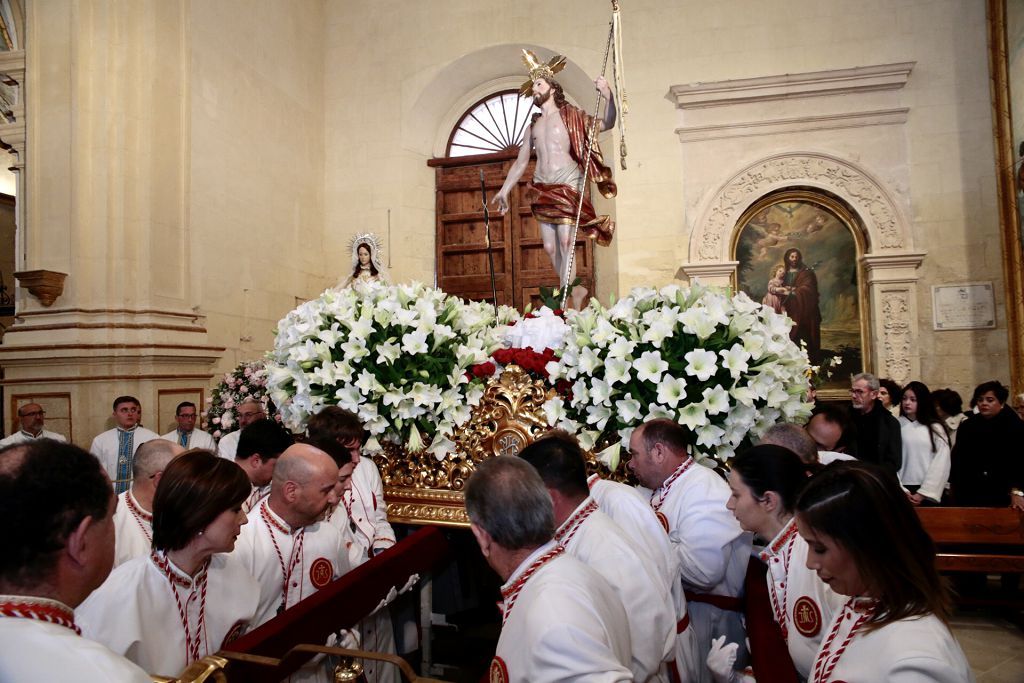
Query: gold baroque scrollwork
[[420, 489]]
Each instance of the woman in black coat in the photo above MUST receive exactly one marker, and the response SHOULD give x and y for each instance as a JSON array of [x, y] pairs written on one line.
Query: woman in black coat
[[988, 459]]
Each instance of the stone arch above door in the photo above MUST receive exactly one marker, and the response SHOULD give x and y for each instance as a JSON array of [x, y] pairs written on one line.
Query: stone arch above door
[[890, 260], [887, 230]]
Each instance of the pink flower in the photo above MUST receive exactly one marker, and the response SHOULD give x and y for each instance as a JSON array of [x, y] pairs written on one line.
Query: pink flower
[[216, 420]]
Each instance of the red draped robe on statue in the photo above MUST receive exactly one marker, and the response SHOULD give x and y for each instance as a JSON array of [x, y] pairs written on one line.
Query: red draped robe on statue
[[801, 304], [556, 204]]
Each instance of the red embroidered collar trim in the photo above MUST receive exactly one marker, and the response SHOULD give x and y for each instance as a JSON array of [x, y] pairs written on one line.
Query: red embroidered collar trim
[[174, 574], [826, 661], [511, 594], [274, 521], [658, 497], [40, 609], [784, 538], [136, 509], [570, 526]]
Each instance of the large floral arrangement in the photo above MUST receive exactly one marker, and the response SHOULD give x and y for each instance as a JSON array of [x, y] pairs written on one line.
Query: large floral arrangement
[[247, 380], [723, 366], [395, 355]]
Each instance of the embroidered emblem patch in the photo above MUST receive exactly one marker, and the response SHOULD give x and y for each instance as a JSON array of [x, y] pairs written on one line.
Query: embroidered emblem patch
[[321, 572], [498, 672], [806, 617], [663, 519], [234, 632]]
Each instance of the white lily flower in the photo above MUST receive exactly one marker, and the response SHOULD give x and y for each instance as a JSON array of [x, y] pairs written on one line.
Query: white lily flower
[[415, 442], [671, 390], [600, 392], [649, 367], [554, 410], [598, 415], [735, 360], [628, 410], [716, 400], [709, 436], [621, 348], [589, 361], [611, 456], [658, 412], [588, 439], [693, 415], [697, 322], [701, 364], [414, 342], [388, 353], [616, 371]]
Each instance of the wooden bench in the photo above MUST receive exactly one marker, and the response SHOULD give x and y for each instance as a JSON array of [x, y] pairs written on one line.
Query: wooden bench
[[987, 540]]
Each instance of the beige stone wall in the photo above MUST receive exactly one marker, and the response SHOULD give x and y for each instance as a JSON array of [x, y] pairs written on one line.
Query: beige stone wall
[[256, 166], [413, 63]]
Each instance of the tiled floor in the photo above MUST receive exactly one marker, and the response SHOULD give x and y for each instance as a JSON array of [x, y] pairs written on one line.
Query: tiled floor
[[994, 646]]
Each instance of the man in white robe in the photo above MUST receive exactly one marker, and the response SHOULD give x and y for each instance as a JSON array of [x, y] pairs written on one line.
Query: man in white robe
[[561, 619], [32, 418], [259, 447], [186, 435], [286, 547], [249, 411], [593, 538], [689, 500], [116, 447], [633, 514], [133, 519], [40, 586], [362, 518]]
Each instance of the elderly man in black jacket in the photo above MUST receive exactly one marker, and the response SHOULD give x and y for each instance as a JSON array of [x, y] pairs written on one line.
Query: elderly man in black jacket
[[878, 432]]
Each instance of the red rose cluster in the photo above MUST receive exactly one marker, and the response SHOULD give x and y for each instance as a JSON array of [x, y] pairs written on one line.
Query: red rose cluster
[[528, 359]]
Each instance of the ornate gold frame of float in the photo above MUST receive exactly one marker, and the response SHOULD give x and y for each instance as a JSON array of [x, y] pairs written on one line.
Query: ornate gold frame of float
[[420, 489]]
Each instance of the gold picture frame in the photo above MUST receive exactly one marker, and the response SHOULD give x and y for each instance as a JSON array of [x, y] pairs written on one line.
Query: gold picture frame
[[813, 222], [1004, 71]]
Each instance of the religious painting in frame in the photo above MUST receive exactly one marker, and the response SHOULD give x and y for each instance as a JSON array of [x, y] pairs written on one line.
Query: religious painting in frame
[[799, 251], [1006, 66]]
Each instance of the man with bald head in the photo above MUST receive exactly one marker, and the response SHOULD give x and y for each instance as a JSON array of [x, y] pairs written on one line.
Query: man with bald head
[[133, 519], [793, 437], [31, 416], [285, 545]]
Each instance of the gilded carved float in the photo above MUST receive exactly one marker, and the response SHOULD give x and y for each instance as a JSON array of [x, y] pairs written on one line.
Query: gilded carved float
[[420, 489]]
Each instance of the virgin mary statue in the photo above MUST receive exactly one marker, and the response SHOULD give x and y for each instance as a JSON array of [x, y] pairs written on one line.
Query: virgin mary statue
[[367, 263]]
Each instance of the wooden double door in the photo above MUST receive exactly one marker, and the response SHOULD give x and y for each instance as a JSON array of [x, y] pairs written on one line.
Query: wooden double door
[[521, 266]]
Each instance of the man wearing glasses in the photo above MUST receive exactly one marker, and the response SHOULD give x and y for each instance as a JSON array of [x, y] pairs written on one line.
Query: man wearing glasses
[[32, 417], [249, 411], [186, 435], [878, 432]]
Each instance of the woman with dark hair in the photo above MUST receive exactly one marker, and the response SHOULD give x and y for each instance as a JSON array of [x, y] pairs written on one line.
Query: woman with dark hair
[[988, 460], [866, 542], [765, 481], [925, 467], [950, 409], [189, 597], [890, 394]]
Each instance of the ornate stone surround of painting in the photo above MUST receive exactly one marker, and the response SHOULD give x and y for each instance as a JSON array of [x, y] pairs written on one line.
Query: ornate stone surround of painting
[[840, 133], [420, 489]]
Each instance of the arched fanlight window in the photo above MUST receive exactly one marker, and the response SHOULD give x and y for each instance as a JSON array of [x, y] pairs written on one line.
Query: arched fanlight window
[[494, 124]]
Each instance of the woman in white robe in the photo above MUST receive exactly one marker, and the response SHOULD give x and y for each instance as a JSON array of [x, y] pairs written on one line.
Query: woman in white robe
[[866, 542], [765, 481], [188, 597]]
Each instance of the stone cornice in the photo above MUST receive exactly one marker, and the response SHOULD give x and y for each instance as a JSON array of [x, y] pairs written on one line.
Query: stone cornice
[[859, 79]]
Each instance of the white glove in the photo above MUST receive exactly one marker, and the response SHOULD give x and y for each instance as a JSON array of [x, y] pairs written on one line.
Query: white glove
[[721, 660], [413, 580]]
